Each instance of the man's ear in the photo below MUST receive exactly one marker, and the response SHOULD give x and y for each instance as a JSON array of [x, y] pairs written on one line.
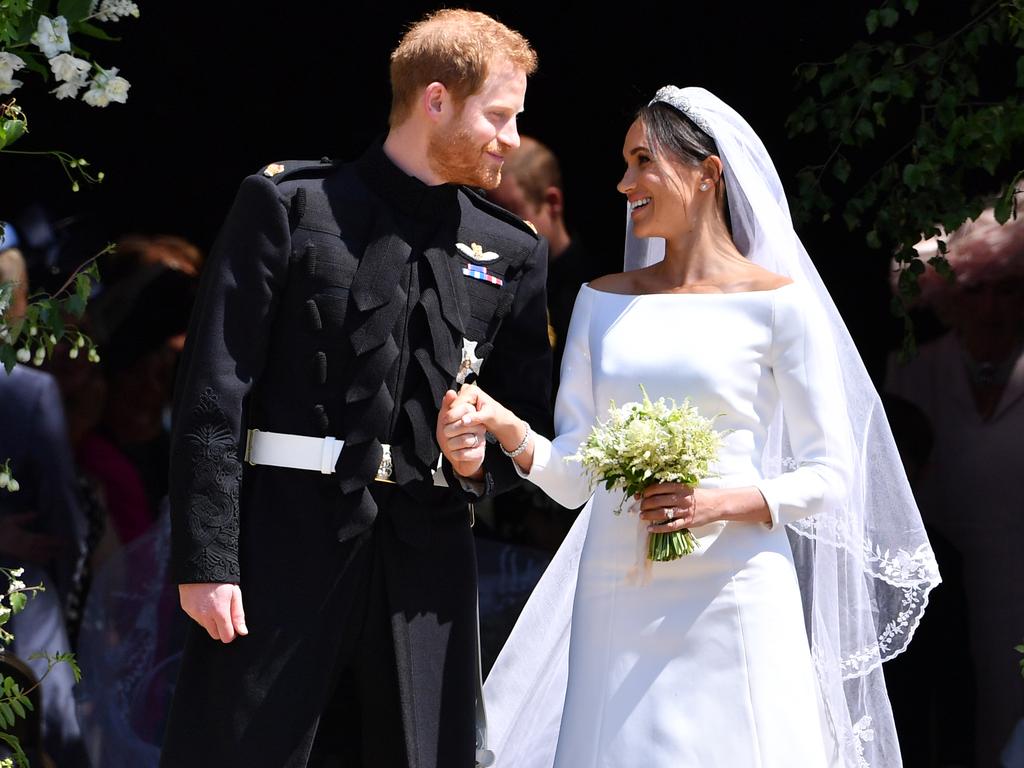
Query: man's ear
[[436, 101], [554, 200]]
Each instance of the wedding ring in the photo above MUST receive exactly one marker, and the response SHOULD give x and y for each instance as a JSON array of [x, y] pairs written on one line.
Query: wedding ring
[[475, 440], [670, 513]]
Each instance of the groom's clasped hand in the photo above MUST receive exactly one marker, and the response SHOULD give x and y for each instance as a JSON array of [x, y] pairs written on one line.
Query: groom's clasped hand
[[462, 428]]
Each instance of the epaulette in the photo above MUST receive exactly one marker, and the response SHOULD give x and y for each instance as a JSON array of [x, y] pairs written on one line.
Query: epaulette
[[480, 200], [298, 169]]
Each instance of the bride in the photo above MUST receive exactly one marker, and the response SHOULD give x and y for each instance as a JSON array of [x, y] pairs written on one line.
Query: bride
[[764, 647]]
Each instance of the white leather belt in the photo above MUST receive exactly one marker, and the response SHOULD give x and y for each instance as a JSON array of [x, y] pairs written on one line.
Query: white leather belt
[[318, 454]]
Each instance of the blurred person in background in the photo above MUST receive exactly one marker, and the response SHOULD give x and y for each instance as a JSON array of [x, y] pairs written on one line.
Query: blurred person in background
[[531, 187], [970, 384], [119, 411], [41, 525]]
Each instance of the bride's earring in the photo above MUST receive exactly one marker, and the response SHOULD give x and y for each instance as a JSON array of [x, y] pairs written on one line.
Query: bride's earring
[[704, 187]]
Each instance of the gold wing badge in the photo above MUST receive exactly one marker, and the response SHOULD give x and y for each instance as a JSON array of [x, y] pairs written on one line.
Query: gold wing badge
[[476, 252]]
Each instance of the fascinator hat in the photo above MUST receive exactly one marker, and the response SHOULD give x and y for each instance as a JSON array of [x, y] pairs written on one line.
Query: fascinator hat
[[865, 566]]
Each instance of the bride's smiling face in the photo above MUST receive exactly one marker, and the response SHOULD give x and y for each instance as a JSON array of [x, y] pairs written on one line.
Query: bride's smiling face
[[660, 190]]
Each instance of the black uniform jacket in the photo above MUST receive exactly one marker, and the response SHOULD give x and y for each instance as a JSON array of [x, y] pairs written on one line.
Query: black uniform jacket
[[337, 301]]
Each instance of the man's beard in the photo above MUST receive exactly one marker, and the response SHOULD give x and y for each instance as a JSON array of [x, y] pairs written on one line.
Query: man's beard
[[455, 157]]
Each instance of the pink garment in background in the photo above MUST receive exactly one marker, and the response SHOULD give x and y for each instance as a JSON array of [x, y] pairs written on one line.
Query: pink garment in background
[[124, 494]]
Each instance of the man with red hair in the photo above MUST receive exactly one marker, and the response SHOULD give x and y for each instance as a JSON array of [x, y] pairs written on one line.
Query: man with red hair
[[339, 305]]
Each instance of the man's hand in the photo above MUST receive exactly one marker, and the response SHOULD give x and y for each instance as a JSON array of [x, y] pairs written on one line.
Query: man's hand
[[217, 608], [22, 544], [463, 444]]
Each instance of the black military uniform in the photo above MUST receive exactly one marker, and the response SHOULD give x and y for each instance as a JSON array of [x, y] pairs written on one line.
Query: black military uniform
[[337, 303]]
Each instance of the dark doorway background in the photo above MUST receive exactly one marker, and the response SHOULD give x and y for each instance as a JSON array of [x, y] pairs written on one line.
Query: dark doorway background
[[220, 89]]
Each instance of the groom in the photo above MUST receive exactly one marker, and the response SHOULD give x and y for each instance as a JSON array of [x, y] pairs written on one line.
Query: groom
[[339, 305]]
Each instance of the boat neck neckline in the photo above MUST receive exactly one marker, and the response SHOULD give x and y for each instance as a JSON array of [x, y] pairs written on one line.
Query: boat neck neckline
[[689, 293]]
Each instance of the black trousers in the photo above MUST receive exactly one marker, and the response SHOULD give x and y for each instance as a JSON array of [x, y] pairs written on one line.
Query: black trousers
[[347, 641], [361, 725]]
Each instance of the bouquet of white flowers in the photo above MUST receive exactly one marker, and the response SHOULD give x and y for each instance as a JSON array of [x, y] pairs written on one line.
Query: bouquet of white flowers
[[651, 442]]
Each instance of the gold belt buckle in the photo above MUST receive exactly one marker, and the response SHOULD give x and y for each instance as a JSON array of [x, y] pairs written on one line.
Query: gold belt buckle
[[249, 437], [386, 465]]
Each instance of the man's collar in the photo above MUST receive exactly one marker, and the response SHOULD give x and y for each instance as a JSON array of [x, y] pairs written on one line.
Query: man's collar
[[407, 193]]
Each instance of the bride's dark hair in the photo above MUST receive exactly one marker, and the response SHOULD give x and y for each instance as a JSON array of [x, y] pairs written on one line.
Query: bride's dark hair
[[673, 134]]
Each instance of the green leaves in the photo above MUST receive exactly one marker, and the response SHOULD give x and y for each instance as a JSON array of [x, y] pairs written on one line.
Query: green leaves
[[49, 320], [886, 17], [906, 142], [11, 131], [15, 703], [13, 124], [11, 14], [91, 30], [1007, 205], [18, 602], [841, 168], [73, 10]]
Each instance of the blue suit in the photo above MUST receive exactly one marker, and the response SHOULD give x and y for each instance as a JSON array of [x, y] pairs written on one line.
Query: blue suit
[[34, 437]]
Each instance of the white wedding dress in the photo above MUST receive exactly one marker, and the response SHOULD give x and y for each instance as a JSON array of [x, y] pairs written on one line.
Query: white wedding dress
[[706, 662]]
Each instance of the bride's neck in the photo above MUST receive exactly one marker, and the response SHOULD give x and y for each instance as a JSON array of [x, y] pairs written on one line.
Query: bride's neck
[[705, 255]]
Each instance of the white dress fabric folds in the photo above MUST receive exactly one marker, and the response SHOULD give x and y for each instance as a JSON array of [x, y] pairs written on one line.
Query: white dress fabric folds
[[706, 665], [707, 662]]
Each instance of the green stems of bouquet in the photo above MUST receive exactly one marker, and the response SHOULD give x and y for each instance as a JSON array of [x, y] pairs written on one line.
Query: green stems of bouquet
[[663, 547]]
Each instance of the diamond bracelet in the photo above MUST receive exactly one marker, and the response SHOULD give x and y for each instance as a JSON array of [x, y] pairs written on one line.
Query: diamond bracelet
[[519, 448]]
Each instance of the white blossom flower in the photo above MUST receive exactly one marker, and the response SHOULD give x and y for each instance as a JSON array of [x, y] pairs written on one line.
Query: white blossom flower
[[15, 586], [13, 487], [8, 84], [51, 36], [67, 68], [73, 353], [9, 64], [106, 86], [23, 355], [5, 478], [17, 572], [39, 357], [68, 90], [114, 10]]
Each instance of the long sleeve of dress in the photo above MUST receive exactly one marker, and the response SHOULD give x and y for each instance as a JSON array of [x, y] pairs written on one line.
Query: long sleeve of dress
[[227, 346], [806, 372], [565, 481]]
